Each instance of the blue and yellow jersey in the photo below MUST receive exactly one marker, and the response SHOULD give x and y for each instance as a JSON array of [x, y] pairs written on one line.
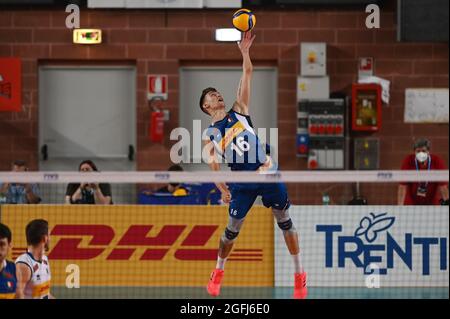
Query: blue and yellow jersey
[[236, 141], [8, 280]]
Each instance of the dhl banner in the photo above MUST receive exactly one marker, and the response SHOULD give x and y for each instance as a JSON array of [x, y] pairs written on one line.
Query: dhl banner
[[147, 245]]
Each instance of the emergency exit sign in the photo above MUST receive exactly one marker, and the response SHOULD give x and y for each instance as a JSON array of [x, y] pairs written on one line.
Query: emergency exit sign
[[87, 36]]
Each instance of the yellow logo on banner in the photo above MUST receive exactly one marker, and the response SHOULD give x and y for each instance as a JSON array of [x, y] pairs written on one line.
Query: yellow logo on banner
[[148, 245]]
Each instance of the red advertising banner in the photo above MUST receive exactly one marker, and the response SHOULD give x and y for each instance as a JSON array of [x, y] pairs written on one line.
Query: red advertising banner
[[10, 85]]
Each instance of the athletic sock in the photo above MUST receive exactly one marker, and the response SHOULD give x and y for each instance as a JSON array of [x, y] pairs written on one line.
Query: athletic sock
[[220, 263], [297, 263]]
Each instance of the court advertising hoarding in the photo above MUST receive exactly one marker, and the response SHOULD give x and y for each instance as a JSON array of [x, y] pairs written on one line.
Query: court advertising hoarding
[[147, 245], [357, 246], [341, 246]]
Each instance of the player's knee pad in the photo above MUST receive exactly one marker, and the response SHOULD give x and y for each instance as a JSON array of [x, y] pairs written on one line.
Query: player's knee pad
[[286, 225], [284, 221], [229, 235]]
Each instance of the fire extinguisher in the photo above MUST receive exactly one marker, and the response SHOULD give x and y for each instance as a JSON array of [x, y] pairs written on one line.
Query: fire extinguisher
[[156, 127]]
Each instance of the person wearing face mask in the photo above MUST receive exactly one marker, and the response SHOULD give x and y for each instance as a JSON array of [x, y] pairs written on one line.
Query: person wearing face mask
[[423, 193]]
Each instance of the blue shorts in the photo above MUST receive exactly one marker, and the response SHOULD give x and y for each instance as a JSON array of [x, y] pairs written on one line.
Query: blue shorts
[[243, 195]]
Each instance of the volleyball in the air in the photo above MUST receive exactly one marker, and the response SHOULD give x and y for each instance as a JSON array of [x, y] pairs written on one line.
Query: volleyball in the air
[[244, 20]]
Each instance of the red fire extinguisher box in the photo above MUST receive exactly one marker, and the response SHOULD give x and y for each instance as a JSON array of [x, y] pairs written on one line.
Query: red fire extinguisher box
[[156, 128], [366, 107], [10, 85]]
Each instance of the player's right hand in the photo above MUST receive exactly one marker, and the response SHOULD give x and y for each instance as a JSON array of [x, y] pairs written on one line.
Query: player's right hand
[[246, 42], [226, 197]]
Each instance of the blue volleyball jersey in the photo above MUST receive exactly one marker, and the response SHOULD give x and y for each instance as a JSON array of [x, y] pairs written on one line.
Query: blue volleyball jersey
[[236, 141], [8, 280]]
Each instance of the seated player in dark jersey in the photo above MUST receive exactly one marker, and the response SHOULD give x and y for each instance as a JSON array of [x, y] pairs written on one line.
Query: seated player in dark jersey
[[232, 137], [8, 280]]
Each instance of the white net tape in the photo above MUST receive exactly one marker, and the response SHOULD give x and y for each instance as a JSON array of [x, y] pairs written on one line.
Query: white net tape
[[227, 176]]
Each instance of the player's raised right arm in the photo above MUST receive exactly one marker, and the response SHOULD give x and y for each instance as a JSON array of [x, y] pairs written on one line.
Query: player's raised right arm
[[244, 90]]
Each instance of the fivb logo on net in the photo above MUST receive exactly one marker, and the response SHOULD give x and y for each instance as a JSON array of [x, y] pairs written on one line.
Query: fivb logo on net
[[373, 245], [191, 147]]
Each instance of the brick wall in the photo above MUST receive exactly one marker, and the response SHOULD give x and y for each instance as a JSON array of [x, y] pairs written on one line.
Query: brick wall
[[159, 41]]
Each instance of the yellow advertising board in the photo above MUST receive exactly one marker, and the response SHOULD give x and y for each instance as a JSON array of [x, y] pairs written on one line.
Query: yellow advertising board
[[147, 245]]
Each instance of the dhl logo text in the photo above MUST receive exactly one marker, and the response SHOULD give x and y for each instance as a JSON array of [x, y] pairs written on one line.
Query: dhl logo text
[[192, 248]]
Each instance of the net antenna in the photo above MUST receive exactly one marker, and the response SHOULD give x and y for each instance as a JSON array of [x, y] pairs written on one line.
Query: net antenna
[[357, 199]]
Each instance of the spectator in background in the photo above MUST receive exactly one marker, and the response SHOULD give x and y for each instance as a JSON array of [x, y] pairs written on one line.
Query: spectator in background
[[176, 189], [88, 193], [423, 193], [20, 193]]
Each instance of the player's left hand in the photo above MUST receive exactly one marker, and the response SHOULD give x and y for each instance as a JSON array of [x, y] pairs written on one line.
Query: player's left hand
[[226, 197], [246, 42]]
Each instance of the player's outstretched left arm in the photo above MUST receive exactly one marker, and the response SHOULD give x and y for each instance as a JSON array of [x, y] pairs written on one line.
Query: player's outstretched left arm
[[215, 166], [244, 90]]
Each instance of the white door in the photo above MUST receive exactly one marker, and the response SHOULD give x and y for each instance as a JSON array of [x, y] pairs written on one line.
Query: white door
[[263, 104]]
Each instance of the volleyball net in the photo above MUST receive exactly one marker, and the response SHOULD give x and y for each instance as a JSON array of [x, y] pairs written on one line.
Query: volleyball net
[[156, 234]]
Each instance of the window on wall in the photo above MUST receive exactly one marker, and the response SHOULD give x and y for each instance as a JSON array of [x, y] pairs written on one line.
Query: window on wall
[[423, 20]]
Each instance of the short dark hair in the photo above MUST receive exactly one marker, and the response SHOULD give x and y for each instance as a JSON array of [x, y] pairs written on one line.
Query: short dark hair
[[19, 163], [90, 163], [35, 231], [202, 98], [422, 142], [5, 232], [175, 168]]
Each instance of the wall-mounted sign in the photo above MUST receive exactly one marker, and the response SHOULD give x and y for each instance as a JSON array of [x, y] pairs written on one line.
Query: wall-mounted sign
[[365, 67], [366, 107], [87, 36], [157, 86], [10, 85]]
